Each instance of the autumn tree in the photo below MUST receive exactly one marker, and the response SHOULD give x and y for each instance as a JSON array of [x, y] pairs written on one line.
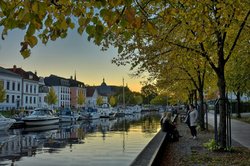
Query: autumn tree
[[138, 99], [238, 77], [2, 92], [112, 101], [183, 75], [81, 99], [160, 100], [213, 30], [149, 92], [99, 100], [51, 97]]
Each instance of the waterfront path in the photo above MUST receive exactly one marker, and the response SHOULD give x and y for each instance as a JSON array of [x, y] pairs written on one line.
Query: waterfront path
[[240, 131]]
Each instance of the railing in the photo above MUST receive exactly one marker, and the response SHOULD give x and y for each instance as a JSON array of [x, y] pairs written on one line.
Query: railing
[[228, 122]]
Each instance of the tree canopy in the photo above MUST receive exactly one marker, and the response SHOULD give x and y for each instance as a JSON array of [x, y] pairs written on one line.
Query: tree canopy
[[2, 92], [51, 97], [99, 100], [81, 99]]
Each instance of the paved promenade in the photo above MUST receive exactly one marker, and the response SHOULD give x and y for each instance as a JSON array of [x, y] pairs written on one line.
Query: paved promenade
[[240, 131]]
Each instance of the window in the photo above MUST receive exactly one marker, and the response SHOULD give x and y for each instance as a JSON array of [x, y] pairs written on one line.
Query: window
[[34, 100], [26, 99], [27, 87], [30, 88], [18, 86], [13, 99], [13, 86], [8, 85], [7, 98], [34, 88], [30, 100]]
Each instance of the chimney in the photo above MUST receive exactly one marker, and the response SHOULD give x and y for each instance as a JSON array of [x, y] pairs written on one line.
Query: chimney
[[35, 72], [14, 68], [71, 77]]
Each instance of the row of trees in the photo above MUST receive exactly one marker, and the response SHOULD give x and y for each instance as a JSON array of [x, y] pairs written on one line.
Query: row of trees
[[163, 38]]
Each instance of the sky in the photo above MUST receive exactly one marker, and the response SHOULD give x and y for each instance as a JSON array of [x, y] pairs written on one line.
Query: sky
[[65, 57]]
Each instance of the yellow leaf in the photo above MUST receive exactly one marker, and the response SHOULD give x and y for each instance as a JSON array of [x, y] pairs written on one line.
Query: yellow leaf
[[32, 41], [25, 53], [151, 28], [35, 7]]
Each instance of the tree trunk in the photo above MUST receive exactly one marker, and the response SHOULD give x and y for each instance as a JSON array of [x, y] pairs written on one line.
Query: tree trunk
[[202, 114], [222, 107], [238, 105]]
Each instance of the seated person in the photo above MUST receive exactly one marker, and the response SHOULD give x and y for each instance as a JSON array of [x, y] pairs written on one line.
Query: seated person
[[168, 126]]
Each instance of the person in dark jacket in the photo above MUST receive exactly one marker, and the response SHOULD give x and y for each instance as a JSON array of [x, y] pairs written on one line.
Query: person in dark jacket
[[168, 126]]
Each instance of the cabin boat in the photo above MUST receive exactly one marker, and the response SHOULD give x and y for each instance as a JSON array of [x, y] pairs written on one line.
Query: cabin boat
[[105, 110], [66, 115], [6, 123], [89, 114], [40, 117]]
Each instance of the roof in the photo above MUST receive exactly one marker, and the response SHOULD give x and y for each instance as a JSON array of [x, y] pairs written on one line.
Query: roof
[[90, 90], [25, 75], [75, 83], [7, 72], [54, 80]]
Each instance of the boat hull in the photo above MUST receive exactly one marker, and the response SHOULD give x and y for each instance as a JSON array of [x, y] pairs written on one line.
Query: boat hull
[[5, 125], [68, 118], [40, 122]]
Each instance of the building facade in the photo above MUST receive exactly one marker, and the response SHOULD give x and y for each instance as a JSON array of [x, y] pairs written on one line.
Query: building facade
[[77, 90], [12, 84], [30, 84], [61, 87]]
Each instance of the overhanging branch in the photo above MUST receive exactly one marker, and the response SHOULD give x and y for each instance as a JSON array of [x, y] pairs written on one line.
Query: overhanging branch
[[237, 36]]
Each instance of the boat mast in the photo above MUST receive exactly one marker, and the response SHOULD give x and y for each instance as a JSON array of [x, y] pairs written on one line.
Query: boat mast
[[123, 93]]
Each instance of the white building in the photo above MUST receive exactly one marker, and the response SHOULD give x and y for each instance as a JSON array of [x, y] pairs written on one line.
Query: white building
[[91, 96], [12, 84], [29, 96], [62, 90], [43, 90]]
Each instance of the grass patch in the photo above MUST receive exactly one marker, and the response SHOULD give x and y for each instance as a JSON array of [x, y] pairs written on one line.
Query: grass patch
[[239, 156]]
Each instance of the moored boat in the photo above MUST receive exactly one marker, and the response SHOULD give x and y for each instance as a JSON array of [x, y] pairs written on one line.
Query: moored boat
[[39, 117], [66, 115], [6, 123], [89, 114]]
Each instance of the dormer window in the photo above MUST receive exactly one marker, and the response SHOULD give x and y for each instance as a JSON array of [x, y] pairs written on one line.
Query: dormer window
[[30, 76]]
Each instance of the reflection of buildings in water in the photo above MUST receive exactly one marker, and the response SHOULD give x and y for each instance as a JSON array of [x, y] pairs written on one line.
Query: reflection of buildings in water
[[18, 145]]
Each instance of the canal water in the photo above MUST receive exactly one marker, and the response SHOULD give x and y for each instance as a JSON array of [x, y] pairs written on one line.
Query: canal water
[[85, 143]]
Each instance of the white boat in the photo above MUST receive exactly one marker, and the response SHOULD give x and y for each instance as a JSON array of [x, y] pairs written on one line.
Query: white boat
[[66, 115], [105, 110], [89, 114], [40, 116], [119, 112], [136, 109], [6, 123]]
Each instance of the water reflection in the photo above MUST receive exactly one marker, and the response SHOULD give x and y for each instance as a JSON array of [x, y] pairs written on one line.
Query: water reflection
[[96, 142]]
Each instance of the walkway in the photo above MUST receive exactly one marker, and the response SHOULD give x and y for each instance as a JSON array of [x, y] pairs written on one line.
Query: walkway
[[240, 131]]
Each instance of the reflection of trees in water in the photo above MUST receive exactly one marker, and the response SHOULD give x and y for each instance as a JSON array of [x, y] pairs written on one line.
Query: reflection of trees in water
[[150, 123], [122, 124]]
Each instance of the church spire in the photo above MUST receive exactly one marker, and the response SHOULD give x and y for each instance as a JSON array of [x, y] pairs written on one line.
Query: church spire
[[75, 75]]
